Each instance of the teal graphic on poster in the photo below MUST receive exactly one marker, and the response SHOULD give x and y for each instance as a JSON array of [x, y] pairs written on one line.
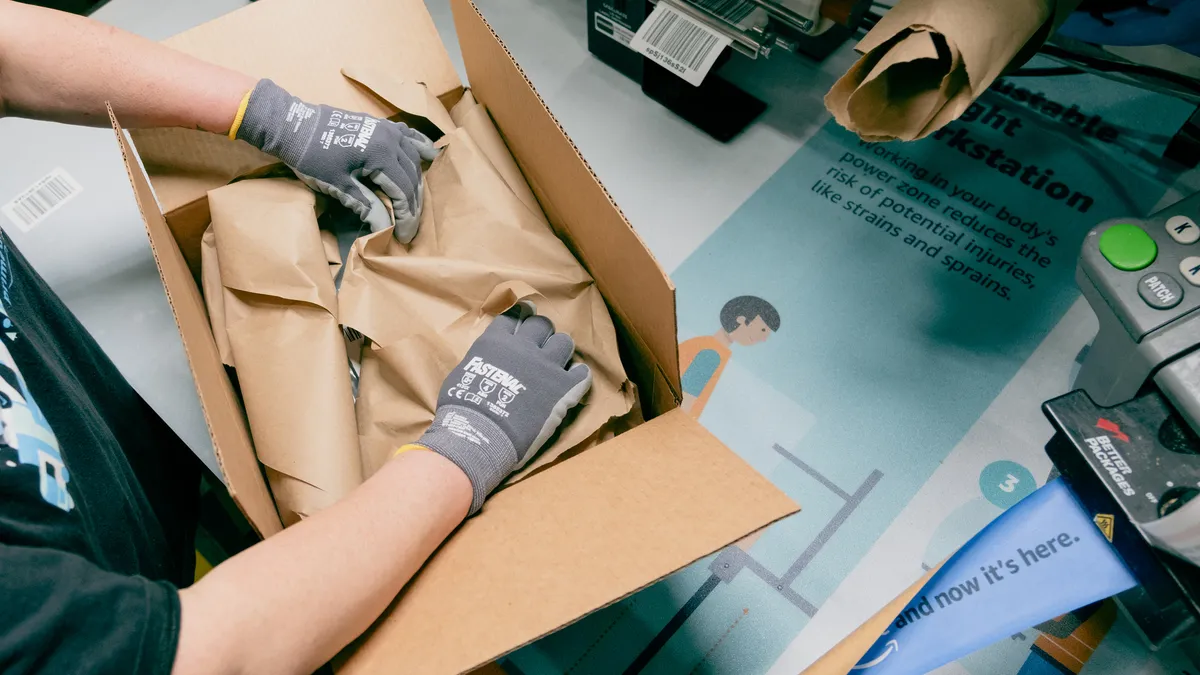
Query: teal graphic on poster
[[1005, 483], [907, 283]]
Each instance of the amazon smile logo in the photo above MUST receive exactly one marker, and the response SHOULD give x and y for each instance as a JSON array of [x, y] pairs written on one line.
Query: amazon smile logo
[[886, 649]]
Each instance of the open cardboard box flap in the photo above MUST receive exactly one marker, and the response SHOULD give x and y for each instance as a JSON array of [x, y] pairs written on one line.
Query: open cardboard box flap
[[566, 542], [559, 545]]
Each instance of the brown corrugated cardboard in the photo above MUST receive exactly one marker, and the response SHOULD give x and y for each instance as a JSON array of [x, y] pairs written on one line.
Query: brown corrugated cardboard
[[222, 412], [579, 208], [565, 542], [652, 492]]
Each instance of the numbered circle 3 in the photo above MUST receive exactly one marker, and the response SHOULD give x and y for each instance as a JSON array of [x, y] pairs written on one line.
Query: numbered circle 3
[[1005, 483]]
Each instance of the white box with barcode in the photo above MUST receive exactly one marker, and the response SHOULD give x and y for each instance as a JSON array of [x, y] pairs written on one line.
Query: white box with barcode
[[34, 204], [681, 43]]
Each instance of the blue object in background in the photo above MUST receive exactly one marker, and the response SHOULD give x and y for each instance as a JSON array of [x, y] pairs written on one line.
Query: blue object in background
[[1042, 558], [1178, 27]]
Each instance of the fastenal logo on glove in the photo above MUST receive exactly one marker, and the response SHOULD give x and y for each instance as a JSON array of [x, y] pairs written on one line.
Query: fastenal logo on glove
[[476, 424], [493, 377], [349, 131]]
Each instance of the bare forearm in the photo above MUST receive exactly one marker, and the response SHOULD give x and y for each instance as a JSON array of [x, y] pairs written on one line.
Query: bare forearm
[[60, 67], [290, 603]]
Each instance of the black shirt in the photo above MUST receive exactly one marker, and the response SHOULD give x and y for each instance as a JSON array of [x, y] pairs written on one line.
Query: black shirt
[[97, 498]]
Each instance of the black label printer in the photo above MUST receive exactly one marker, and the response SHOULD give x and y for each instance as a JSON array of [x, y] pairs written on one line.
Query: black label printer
[[1126, 440]]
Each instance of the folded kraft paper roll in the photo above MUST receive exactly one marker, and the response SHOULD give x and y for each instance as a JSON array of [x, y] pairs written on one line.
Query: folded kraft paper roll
[[268, 283], [483, 245], [926, 61]]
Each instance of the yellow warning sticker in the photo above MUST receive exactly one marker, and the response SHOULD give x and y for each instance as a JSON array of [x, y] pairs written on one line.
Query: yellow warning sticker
[[1105, 522]]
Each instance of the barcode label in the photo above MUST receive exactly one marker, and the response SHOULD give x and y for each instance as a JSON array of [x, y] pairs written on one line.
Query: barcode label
[[41, 199], [732, 11], [613, 29], [678, 42]]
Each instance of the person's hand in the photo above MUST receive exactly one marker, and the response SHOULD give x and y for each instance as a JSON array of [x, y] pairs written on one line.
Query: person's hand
[[501, 404], [333, 150]]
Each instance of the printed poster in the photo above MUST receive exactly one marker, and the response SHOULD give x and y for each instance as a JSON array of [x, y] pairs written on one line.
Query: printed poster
[[851, 331]]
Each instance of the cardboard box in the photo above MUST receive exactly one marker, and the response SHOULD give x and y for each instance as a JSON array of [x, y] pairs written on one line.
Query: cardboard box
[[565, 542]]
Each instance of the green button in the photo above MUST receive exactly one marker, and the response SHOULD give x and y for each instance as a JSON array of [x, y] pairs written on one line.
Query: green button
[[1128, 247]]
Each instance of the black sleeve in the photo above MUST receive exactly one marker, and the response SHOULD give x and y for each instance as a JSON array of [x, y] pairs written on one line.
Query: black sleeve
[[60, 613]]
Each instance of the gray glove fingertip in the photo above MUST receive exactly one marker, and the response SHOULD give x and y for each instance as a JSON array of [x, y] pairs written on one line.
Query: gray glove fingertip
[[583, 382], [407, 222], [523, 309], [558, 349], [406, 228], [406, 218], [345, 198], [536, 329], [502, 325], [376, 216], [582, 375], [426, 150], [398, 179]]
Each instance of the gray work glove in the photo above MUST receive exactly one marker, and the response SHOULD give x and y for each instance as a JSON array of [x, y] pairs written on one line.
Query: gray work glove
[[501, 404], [332, 150]]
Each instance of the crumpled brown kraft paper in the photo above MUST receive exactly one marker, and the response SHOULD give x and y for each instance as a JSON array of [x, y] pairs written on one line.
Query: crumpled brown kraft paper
[[268, 283], [926, 61], [483, 244]]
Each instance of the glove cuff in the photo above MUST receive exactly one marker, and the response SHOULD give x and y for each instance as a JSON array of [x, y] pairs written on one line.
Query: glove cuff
[[276, 122], [476, 445], [237, 118]]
